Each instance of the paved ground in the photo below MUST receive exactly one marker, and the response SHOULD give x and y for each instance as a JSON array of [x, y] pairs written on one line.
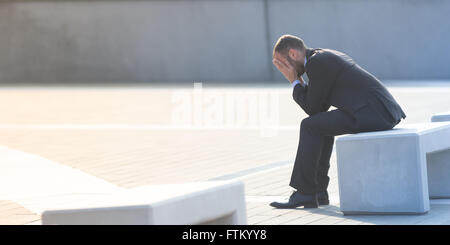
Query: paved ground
[[139, 135]]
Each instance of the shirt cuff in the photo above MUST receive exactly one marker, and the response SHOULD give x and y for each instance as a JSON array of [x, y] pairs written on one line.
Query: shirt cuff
[[295, 83]]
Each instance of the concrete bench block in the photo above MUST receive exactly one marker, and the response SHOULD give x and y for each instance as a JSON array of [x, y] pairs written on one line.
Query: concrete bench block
[[394, 171], [441, 117], [211, 202]]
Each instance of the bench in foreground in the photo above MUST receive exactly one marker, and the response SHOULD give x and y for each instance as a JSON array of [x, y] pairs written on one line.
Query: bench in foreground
[[394, 171], [212, 202]]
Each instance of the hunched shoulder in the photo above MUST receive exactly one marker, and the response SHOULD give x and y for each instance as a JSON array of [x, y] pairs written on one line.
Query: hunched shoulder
[[332, 59], [316, 58], [327, 63]]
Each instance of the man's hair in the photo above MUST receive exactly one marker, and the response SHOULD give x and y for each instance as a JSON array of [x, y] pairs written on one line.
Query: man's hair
[[287, 42]]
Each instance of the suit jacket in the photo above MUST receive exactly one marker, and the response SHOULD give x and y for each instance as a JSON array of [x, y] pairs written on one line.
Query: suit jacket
[[335, 79]]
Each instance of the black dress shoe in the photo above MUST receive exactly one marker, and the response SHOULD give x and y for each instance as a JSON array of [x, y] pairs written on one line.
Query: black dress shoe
[[297, 200], [322, 197]]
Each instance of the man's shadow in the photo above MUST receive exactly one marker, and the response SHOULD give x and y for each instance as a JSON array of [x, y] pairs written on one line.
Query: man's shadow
[[376, 219]]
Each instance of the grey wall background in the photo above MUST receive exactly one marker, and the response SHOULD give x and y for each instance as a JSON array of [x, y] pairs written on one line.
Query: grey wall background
[[214, 40]]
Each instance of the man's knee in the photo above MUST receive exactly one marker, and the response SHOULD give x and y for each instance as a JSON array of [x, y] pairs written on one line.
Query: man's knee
[[306, 123]]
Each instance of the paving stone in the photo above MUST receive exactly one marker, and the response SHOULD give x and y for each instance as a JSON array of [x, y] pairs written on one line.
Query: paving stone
[[132, 157]]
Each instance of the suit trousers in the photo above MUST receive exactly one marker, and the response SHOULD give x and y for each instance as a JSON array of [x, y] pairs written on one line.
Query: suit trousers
[[312, 162]]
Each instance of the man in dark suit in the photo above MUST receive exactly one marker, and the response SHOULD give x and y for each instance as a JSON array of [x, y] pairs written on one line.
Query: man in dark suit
[[363, 104]]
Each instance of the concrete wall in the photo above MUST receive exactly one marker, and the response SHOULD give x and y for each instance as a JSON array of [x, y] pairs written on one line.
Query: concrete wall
[[214, 40], [392, 39]]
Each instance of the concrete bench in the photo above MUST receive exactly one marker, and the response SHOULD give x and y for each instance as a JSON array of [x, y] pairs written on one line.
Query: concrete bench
[[441, 117], [394, 171], [211, 202]]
